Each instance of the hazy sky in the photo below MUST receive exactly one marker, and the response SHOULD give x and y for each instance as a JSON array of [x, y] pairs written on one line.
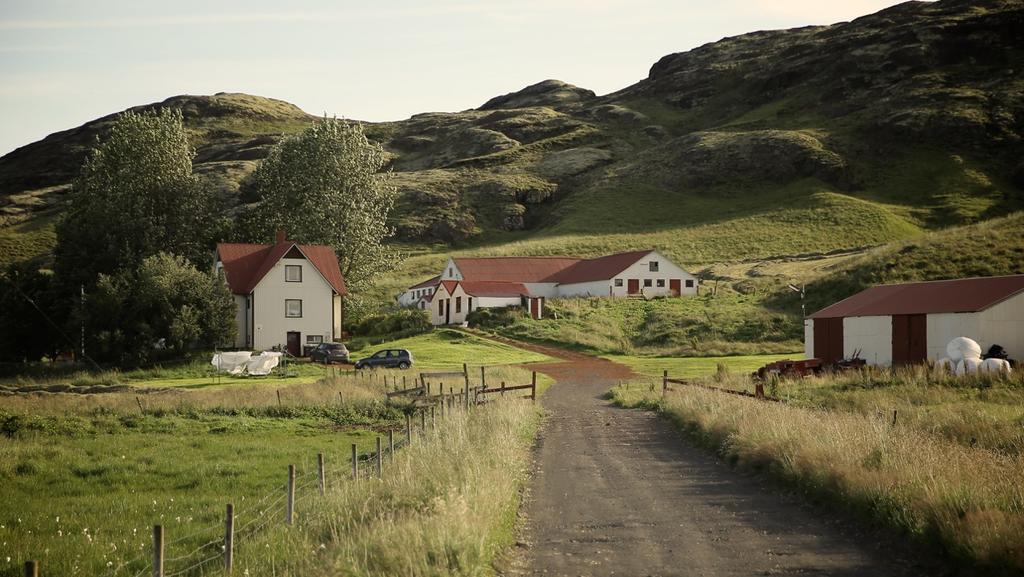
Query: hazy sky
[[64, 62]]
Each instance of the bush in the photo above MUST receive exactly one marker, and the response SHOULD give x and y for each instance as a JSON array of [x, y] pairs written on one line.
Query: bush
[[400, 323], [496, 318]]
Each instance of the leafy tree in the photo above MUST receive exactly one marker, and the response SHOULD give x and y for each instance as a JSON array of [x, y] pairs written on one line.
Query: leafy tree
[[29, 314], [325, 186], [165, 307], [135, 196]]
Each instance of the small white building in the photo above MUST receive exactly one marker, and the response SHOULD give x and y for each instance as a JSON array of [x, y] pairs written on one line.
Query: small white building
[[528, 281], [913, 322], [287, 295], [418, 295]]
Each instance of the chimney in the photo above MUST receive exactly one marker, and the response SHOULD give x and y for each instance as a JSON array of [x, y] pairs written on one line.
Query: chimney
[[281, 237]]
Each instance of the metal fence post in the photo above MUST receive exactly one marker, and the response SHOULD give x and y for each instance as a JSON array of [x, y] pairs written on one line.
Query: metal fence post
[[31, 569], [289, 516], [380, 458], [158, 551], [533, 387], [229, 537], [320, 473]]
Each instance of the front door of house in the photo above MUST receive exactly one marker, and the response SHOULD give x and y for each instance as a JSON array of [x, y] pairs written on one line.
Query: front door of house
[[294, 343], [447, 311], [676, 286], [633, 286]]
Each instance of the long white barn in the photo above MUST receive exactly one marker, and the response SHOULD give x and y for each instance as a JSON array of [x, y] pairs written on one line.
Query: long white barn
[[466, 284], [913, 322]]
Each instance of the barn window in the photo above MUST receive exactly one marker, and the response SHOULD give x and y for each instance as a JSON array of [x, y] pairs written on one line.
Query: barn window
[[689, 283], [647, 282], [661, 283], [654, 266], [293, 308], [618, 282], [292, 273]]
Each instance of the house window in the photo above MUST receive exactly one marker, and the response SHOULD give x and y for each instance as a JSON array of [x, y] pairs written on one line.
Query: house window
[[458, 305], [293, 308], [440, 307], [618, 282], [647, 282], [314, 339], [450, 273], [469, 304], [293, 273], [689, 283], [661, 283], [654, 266]]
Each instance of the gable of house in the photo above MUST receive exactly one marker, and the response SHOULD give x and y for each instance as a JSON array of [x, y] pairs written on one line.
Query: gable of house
[[245, 265]]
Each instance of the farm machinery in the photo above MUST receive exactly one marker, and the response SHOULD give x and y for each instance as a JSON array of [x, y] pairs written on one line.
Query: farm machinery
[[806, 367]]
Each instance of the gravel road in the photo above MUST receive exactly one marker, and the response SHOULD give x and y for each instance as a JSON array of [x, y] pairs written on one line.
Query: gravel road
[[620, 492]]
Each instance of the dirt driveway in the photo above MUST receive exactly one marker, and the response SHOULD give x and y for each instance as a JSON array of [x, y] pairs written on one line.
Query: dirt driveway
[[620, 492]]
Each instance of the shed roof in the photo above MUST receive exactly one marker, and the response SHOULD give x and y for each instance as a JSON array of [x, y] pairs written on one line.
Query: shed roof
[[602, 268], [495, 289], [521, 269], [965, 295], [245, 265]]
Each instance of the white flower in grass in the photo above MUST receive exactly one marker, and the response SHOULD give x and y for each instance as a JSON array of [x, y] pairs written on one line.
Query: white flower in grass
[[9, 560], [110, 563]]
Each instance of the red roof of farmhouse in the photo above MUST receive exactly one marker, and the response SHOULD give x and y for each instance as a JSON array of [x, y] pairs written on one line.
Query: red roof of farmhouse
[[427, 283], [543, 269], [245, 265], [602, 268], [484, 288], [966, 295]]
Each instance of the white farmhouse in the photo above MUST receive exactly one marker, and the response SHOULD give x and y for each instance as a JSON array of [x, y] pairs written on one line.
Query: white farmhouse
[[418, 295], [286, 295], [529, 281], [913, 322]]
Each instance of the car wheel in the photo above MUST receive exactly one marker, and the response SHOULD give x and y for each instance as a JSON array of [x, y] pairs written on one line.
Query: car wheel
[[403, 365]]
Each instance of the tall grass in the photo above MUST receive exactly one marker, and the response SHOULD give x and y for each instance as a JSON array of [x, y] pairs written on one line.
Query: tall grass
[[970, 500]]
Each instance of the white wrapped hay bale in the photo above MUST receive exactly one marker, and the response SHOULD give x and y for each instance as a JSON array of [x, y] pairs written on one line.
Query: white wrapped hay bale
[[945, 365], [962, 348], [995, 366], [968, 366]]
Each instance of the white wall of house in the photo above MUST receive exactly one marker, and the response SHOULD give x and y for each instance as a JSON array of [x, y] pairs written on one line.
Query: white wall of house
[[495, 302], [597, 288], [338, 315], [871, 335], [241, 321], [451, 271], [318, 305], [412, 297], [808, 338], [446, 306], [667, 270], [542, 289]]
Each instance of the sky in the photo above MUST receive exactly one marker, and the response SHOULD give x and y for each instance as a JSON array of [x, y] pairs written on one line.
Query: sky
[[65, 62]]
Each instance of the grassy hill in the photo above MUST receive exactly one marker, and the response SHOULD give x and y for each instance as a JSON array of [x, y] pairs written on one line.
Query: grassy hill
[[770, 156]]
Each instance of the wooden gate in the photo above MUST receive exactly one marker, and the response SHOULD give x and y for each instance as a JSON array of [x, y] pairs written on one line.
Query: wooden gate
[[828, 339], [909, 339]]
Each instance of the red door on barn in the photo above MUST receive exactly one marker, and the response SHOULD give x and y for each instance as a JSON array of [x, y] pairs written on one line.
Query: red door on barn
[[909, 339], [676, 286], [535, 308], [828, 339], [633, 286]]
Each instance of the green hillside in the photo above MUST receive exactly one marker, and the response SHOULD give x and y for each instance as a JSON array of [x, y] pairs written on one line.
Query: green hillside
[[767, 157]]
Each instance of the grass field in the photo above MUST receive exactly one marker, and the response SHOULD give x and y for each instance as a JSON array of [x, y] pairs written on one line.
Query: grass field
[[949, 470], [85, 477], [446, 348], [693, 367]]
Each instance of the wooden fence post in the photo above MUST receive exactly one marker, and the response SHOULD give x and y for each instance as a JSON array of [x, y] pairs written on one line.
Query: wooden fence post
[[380, 458], [408, 429], [423, 421], [403, 382], [320, 473], [141, 408], [533, 387], [391, 443], [433, 424], [31, 569], [894, 417], [341, 399], [158, 551], [229, 537], [759, 390], [289, 513], [664, 382], [483, 377], [279, 397], [355, 462], [503, 388]]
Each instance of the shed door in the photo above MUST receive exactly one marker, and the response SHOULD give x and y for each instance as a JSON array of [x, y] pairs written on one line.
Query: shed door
[[909, 339], [534, 308], [633, 286], [828, 339], [675, 285]]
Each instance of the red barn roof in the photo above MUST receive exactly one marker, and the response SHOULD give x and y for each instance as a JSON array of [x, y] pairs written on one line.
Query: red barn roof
[[521, 269], [495, 289], [965, 295], [245, 265], [602, 268]]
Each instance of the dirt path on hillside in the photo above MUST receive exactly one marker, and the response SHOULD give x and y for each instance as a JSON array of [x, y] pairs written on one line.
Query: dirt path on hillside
[[620, 492]]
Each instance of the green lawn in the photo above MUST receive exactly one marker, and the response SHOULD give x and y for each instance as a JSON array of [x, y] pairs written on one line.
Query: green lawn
[[691, 367], [447, 348]]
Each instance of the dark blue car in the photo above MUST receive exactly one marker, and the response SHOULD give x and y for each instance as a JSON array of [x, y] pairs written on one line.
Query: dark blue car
[[388, 359]]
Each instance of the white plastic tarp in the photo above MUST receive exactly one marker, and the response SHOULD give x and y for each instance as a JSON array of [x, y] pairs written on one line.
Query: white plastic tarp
[[232, 363], [263, 363]]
